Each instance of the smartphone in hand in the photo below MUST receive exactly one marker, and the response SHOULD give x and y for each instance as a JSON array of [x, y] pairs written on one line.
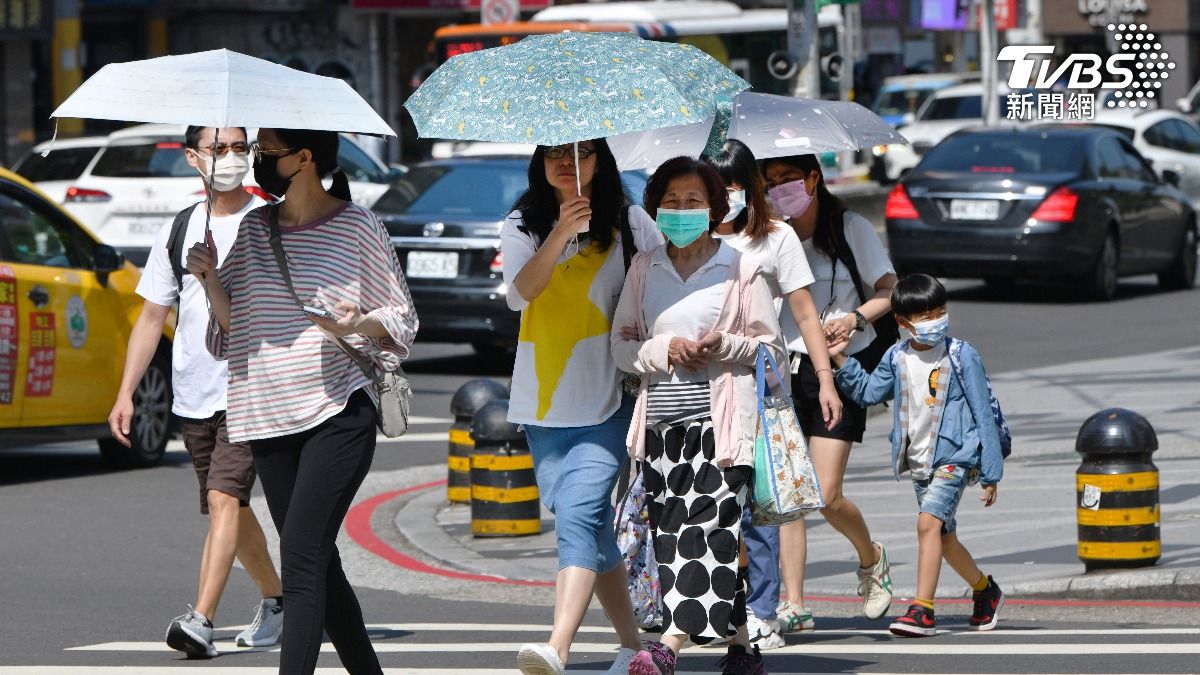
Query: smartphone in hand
[[317, 311]]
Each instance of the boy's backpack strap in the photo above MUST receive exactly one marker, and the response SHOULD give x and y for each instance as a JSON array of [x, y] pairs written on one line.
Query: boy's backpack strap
[[175, 243]]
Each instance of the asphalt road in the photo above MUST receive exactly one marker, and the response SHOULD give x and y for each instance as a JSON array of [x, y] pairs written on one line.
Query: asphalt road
[[94, 557]]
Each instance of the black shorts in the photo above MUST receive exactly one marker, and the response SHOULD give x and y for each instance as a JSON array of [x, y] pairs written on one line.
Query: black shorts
[[806, 392]]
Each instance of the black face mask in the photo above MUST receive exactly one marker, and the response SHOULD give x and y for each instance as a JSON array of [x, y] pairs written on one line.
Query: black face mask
[[266, 174]]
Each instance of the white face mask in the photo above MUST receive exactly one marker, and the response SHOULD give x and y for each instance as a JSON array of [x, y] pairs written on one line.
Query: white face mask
[[737, 202], [231, 169]]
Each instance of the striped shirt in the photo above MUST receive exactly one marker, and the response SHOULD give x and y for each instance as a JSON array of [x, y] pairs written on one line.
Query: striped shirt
[[285, 374], [677, 401]]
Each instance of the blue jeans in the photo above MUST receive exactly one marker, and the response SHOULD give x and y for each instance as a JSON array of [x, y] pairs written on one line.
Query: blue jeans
[[940, 493], [576, 471], [762, 552]]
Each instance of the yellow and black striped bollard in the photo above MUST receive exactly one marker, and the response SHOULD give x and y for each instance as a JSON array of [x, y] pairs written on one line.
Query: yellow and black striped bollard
[[1116, 491], [466, 402], [504, 494]]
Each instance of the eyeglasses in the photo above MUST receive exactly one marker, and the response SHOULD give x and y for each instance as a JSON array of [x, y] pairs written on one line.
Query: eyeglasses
[[223, 149], [561, 151], [257, 151]]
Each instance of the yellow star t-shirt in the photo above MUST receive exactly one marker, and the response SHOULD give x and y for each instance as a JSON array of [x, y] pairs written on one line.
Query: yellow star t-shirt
[[564, 375]]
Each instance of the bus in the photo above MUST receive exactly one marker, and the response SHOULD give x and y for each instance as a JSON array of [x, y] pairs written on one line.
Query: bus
[[741, 39]]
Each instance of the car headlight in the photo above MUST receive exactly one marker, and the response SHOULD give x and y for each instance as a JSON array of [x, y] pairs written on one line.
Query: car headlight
[[879, 150]]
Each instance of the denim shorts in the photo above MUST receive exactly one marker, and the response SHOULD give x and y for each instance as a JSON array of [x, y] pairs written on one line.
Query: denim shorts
[[940, 494], [576, 470]]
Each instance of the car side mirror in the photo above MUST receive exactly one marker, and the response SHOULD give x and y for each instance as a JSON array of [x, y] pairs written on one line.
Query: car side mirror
[[1171, 178], [1184, 105], [395, 171], [909, 118], [105, 261]]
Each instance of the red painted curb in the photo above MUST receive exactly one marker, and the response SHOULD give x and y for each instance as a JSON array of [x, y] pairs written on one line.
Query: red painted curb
[[358, 526]]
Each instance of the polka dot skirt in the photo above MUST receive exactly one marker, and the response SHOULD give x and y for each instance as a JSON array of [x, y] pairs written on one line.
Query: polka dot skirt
[[696, 516]]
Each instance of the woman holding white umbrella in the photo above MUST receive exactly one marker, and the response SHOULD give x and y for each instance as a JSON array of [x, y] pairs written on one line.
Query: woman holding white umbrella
[[306, 408]]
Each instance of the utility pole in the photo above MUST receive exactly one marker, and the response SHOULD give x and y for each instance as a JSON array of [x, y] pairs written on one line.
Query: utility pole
[[988, 63]]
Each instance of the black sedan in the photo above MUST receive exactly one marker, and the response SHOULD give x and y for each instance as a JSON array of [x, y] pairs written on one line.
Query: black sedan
[[1071, 203], [444, 217]]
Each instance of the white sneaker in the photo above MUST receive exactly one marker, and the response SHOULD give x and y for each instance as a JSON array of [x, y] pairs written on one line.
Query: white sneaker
[[539, 660], [620, 665], [191, 634], [764, 634], [266, 628], [793, 618], [875, 586]]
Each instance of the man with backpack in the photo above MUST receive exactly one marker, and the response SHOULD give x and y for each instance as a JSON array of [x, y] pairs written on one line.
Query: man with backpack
[[949, 433], [225, 470]]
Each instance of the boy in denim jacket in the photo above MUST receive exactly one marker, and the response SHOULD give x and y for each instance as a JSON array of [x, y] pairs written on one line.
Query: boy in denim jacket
[[944, 433]]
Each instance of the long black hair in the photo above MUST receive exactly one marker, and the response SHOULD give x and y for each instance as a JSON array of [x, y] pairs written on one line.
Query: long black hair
[[830, 207], [736, 164], [324, 148], [539, 204]]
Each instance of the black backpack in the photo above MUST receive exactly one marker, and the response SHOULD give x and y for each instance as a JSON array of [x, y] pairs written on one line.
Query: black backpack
[[175, 243], [887, 331]]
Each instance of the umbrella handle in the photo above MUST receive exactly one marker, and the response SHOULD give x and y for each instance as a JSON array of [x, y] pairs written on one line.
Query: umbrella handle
[[578, 181]]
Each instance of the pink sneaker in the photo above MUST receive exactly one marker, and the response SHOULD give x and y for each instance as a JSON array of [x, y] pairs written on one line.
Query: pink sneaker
[[655, 659]]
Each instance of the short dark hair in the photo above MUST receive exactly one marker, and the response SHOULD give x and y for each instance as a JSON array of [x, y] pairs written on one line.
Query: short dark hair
[[718, 198], [917, 293], [191, 137]]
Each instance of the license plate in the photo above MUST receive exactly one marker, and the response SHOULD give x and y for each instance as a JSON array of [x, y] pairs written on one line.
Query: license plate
[[974, 209], [432, 265], [145, 227]]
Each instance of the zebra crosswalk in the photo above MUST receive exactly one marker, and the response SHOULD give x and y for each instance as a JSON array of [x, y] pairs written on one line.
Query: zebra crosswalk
[[489, 649]]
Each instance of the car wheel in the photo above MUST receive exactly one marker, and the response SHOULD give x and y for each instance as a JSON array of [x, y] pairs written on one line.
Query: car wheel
[[1181, 275], [1101, 283], [151, 426], [494, 352]]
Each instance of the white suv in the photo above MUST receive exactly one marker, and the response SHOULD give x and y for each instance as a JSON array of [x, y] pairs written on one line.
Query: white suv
[[125, 186], [945, 112]]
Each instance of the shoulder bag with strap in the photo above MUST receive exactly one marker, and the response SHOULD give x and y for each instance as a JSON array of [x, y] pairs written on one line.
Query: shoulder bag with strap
[[887, 331], [391, 387], [175, 243]]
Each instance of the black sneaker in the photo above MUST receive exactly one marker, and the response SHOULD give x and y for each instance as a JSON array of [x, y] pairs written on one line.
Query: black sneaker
[[987, 607], [918, 622], [738, 661]]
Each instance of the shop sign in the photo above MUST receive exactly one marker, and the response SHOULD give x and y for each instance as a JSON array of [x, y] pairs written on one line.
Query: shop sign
[[1102, 12]]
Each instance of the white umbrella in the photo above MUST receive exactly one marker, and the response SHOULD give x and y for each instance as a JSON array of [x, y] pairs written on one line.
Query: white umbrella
[[221, 88], [770, 125]]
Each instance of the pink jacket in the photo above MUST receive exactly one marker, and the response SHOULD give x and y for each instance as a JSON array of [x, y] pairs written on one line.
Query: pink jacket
[[747, 319]]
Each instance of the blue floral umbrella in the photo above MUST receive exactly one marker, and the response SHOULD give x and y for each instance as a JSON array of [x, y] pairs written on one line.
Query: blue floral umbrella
[[570, 87]]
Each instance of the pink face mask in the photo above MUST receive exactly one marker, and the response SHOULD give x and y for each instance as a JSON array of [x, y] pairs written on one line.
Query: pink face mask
[[790, 200]]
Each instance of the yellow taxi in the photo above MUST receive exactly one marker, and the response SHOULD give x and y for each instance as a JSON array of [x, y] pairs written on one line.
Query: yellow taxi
[[67, 306]]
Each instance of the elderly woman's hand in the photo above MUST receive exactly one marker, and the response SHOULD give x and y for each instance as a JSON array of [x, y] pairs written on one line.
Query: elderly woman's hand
[[686, 354]]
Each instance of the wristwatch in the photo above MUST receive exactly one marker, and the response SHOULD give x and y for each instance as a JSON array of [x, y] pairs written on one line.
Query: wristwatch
[[860, 321]]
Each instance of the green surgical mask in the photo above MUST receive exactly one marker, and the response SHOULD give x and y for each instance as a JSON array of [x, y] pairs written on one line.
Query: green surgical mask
[[682, 226]]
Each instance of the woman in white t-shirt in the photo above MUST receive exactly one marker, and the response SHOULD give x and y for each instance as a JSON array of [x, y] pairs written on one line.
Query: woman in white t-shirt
[[565, 259], [798, 192], [751, 228]]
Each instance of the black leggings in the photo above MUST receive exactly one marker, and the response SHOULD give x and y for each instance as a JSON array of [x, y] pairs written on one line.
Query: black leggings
[[309, 480]]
